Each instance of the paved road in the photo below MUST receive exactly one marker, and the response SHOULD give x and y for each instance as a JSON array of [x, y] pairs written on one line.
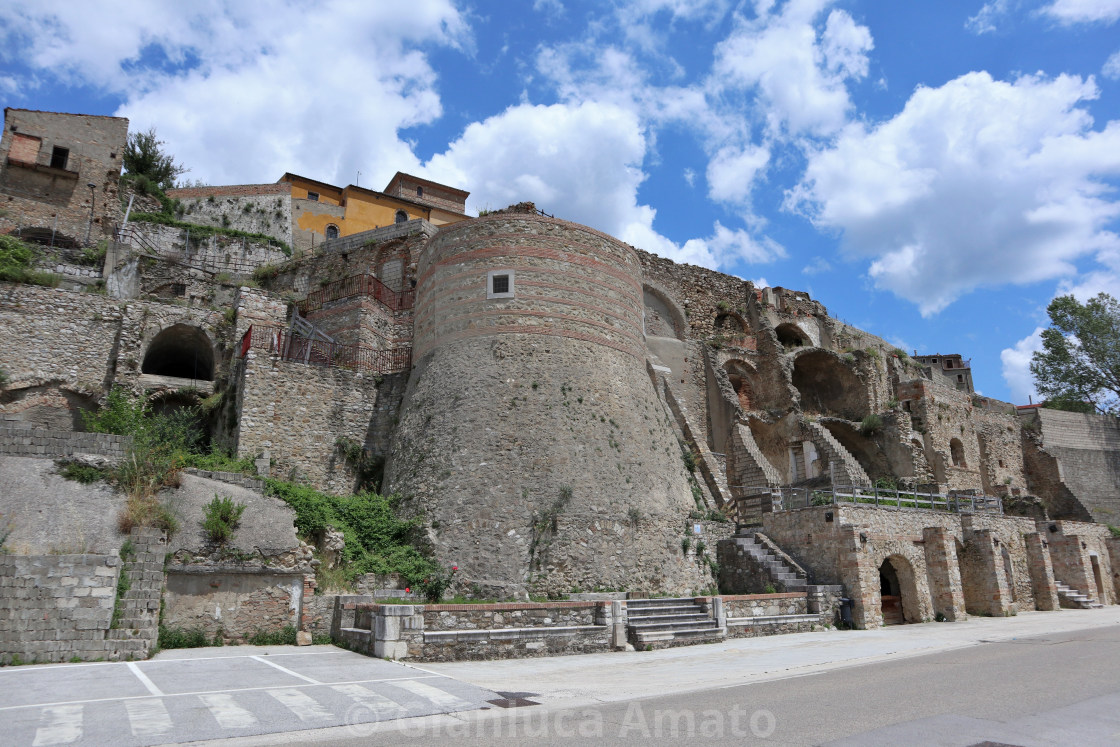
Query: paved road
[[218, 693]]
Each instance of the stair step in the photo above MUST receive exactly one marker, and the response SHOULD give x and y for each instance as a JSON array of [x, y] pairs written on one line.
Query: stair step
[[692, 633], [683, 617], [689, 625]]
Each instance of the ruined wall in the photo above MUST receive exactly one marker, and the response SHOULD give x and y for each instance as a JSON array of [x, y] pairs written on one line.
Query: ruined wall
[[298, 412], [944, 417], [39, 195], [253, 208], [531, 437], [232, 605], [1087, 450]]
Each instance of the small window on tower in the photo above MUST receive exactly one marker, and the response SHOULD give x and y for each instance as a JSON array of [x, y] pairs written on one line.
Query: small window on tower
[[313, 196], [419, 191], [59, 157], [499, 284]]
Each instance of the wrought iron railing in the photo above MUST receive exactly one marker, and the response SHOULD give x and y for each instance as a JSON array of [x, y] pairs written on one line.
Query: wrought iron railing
[[788, 498], [358, 285], [289, 347]]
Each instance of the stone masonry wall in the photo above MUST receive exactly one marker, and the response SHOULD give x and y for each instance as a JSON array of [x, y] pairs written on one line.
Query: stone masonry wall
[[1087, 448], [234, 605], [255, 208], [38, 442]]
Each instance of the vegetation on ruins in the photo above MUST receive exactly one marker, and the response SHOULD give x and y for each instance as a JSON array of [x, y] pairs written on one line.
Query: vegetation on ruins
[[377, 541], [144, 157], [17, 262], [1078, 368], [221, 518]]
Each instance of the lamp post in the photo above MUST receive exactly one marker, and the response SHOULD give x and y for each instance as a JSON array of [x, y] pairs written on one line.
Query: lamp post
[[89, 227]]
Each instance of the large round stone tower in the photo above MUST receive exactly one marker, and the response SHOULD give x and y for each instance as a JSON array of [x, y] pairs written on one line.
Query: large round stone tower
[[531, 436]]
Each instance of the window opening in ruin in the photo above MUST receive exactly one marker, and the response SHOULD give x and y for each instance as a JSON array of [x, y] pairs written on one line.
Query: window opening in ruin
[[419, 191], [181, 351], [59, 157], [332, 231], [743, 390], [313, 196], [402, 216], [956, 450], [960, 377], [948, 363], [891, 594], [499, 284], [179, 289], [791, 336]]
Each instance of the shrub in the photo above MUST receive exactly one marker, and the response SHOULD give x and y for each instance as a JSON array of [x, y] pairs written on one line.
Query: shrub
[[182, 637], [221, 518], [286, 636], [1115, 530], [82, 473], [435, 583], [17, 261], [870, 424], [900, 354], [689, 457]]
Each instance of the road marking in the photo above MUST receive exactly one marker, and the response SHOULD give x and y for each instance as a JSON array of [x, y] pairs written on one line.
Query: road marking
[[144, 679], [227, 712], [86, 701], [301, 704], [285, 670], [441, 698], [381, 706], [64, 725], [148, 717]]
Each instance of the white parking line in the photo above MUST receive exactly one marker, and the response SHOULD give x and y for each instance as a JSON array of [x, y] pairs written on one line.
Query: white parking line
[[301, 704], [144, 679], [227, 712], [441, 698], [285, 670], [148, 717], [64, 725], [382, 707]]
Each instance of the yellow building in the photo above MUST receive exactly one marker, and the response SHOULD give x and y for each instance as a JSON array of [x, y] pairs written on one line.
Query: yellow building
[[323, 211]]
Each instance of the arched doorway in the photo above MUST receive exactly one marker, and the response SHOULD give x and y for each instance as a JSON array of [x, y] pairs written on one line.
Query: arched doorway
[[181, 351], [791, 336], [402, 217], [742, 380], [890, 590], [956, 451]]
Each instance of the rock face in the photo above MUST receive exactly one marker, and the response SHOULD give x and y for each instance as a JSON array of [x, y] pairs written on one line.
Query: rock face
[[531, 437]]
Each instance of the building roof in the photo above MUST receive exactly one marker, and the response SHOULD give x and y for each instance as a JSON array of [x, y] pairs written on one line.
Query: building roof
[[64, 114], [428, 182], [355, 188]]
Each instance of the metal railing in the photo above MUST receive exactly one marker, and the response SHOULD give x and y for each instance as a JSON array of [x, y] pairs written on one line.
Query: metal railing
[[289, 347], [789, 498], [130, 234], [358, 285]]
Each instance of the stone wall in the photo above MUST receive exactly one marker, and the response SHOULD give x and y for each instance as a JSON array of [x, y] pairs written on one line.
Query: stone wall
[[253, 208], [298, 412], [214, 253], [38, 442], [1087, 448], [234, 604]]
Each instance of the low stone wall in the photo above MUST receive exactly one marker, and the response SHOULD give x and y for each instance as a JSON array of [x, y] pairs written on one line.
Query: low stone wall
[[233, 478], [235, 603], [444, 632], [57, 607], [750, 615], [36, 442]]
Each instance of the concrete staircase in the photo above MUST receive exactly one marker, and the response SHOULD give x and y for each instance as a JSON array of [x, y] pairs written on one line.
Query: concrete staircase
[[780, 570], [137, 627], [1074, 599], [660, 623]]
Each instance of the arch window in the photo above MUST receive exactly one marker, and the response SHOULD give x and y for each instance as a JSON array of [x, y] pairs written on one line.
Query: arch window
[[419, 191], [956, 451], [402, 216], [332, 231]]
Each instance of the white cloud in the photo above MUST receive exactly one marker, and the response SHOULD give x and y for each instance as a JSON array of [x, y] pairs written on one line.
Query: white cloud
[[690, 177], [799, 70], [732, 172], [580, 162], [246, 90], [817, 266], [1069, 12], [985, 20], [1111, 67], [978, 182], [1016, 367]]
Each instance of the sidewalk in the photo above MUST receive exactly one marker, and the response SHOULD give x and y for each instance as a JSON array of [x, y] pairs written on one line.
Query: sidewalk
[[572, 681]]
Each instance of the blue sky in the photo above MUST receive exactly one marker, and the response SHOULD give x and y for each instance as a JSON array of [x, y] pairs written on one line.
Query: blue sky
[[934, 173]]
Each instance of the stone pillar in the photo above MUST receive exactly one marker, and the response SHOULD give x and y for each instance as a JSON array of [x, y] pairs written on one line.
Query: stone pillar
[[618, 625], [1042, 572], [1113, 544], [944, 574], [988, 574], [860, 579], [393, 626]]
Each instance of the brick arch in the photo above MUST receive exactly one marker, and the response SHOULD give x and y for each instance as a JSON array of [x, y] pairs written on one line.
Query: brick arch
[[660, 306], [744, 380]]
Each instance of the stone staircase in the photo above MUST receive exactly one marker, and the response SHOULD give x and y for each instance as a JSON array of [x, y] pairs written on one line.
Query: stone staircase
[[846, 470], [136, 629], [1074, 599], [661, 623], [781, 570]]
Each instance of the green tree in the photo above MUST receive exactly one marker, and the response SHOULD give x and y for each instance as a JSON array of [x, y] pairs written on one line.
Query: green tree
[[144, 156], [1078, 367]]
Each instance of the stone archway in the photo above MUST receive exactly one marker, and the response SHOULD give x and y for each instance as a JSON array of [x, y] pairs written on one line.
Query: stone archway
[[181, 351], [898, 591], [745, 383], [956, 452], [791, 336]]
